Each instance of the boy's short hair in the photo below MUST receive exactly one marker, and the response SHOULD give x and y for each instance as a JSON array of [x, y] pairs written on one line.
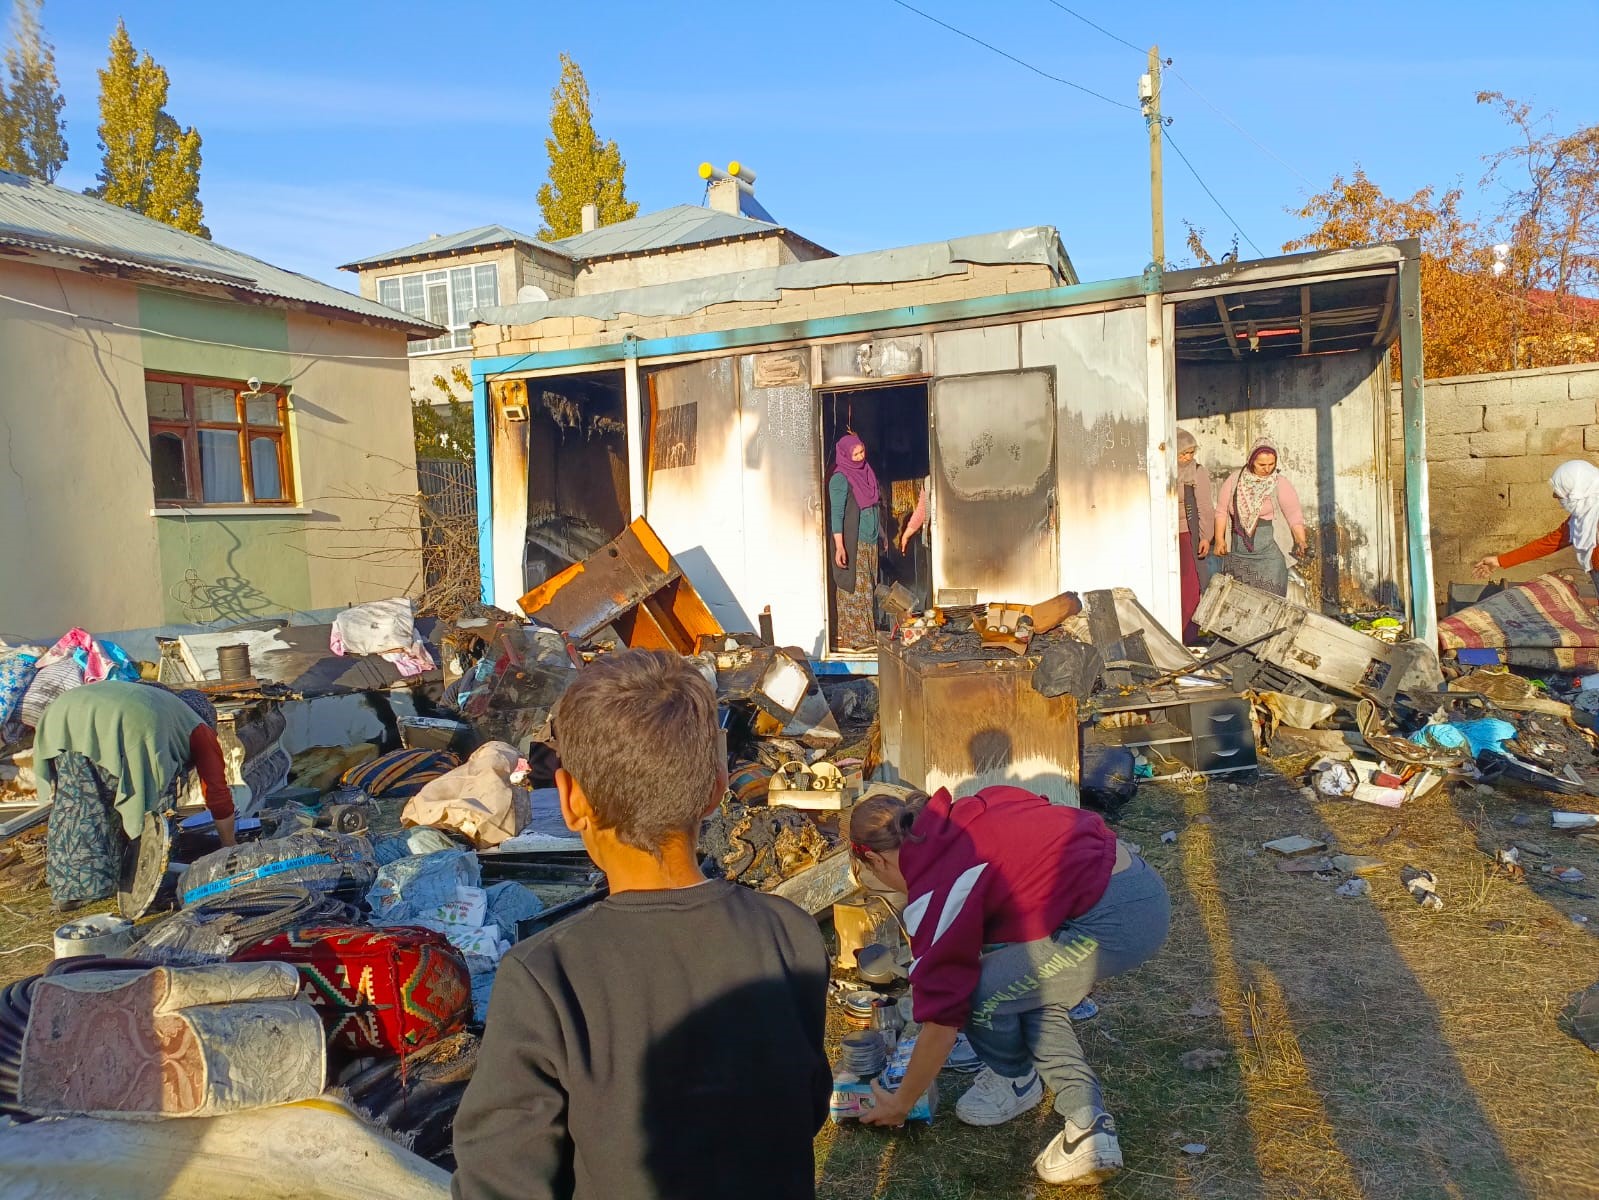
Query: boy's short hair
[[638, 731]]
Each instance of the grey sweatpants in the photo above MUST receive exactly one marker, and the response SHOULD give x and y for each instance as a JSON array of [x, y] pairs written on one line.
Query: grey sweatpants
[[1019, 1011]]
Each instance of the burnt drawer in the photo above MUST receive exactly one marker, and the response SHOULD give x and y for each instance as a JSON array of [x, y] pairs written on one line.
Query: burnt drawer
[[1212, 718], [1210, 755]]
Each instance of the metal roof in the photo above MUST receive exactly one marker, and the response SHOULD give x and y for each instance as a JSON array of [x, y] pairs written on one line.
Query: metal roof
[[1036, 244], [41, 217], [481, 238], [680, 225]]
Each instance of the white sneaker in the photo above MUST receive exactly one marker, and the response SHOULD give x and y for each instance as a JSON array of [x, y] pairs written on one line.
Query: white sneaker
[[962, 1057], [993, 1099], [1086, 1011], [1078, 1155]]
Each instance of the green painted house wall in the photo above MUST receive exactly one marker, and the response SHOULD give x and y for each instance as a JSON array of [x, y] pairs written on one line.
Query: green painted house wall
[[208, 320]]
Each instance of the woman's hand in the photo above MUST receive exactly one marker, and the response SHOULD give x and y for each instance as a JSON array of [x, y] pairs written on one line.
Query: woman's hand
[[1483, 568], [888, 1108], [904, 540], [1221, 546], [1204, 548], [840, 559]]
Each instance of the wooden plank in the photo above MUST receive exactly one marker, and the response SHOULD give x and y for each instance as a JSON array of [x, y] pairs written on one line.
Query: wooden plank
[[1227, 326], [1105, 631], [1304, 319], [1387, 311]]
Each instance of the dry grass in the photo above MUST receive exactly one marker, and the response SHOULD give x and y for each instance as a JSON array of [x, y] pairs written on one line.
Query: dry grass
[[1375, 1049]]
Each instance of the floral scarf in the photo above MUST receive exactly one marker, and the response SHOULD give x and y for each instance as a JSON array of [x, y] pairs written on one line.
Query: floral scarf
[[1251, 491]]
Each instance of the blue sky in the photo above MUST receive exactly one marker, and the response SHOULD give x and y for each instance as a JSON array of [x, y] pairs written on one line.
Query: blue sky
[[338, 129]]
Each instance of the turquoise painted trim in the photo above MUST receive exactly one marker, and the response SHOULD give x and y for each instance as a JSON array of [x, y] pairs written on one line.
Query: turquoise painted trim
[[844, 666], [483, 453], [1413, 412], [1005, 304]]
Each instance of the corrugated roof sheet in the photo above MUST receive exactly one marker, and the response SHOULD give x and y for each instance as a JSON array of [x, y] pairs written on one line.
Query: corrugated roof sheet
[[1035, 244], [453, 243], [40, 216], [680, 225]]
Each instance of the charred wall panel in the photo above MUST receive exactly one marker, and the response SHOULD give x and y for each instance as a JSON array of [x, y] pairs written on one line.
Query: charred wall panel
[[782, 496], [695, 499], [994, 484], [1103, 492], [1327, 416]]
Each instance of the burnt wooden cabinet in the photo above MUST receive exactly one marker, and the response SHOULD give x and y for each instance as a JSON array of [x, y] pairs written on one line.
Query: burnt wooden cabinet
[[971, 723]]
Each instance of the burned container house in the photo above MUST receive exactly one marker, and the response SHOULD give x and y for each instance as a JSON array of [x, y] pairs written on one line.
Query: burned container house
[[1039, 412]]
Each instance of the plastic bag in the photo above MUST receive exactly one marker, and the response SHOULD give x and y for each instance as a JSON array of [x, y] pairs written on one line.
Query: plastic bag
[[17, 669], [410, 886]]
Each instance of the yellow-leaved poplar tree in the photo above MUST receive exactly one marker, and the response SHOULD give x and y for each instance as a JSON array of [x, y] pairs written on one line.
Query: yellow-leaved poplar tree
[[150, 164], [31, 141], [583, 169]]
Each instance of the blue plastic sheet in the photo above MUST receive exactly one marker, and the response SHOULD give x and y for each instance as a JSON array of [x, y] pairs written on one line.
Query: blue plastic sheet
[[1489, 733]]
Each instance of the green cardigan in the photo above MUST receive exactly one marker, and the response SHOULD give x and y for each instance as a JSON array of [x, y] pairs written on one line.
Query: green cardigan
[[136, 734]]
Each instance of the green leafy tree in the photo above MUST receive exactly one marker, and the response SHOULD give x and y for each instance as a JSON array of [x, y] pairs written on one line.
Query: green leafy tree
[[445, 430], [151, 165], [31, 138], [583, 169]]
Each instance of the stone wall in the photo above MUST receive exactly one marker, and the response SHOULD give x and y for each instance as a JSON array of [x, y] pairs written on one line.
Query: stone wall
[[1492, 443]]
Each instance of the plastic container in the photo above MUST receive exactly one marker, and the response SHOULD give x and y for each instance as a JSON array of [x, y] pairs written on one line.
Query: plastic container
[[104, 933]]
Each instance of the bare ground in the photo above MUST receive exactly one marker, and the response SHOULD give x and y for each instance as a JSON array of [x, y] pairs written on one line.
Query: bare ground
[[1373, 1048]]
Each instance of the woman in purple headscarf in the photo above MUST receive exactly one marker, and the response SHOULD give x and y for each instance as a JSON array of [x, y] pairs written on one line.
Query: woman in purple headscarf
[[853, 510]]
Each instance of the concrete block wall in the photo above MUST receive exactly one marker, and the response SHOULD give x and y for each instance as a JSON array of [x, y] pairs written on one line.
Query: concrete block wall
[[1492, 443]]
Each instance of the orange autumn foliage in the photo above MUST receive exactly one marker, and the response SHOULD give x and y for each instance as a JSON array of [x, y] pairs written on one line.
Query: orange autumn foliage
[[1505, 292]]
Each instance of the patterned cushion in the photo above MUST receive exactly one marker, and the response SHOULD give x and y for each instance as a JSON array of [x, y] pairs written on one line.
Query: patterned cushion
[[400, 774], [384, 990]]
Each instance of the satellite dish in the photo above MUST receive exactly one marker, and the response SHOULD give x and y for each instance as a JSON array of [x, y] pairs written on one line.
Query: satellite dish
[[530, 293]]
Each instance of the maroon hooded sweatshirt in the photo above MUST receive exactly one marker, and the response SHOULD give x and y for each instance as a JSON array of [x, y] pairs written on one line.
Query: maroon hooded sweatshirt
[[1001, 866]]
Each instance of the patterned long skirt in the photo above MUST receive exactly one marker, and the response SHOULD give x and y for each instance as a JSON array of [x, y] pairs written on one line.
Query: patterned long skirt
[[856, 611], [83, 850]]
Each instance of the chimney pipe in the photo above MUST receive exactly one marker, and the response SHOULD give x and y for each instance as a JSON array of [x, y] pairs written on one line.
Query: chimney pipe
[[591, 217]]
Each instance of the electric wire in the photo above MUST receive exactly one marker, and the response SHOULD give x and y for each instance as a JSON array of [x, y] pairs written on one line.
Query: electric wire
[[1019, 62], [182, 337], [1198, 179], [1074, 13], [1250, 138]]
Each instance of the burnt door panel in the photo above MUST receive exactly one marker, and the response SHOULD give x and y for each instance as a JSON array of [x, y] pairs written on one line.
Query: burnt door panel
[[994, 485]]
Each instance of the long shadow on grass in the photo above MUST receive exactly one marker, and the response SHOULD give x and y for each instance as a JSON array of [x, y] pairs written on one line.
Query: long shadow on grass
[[1135, 1046], [1352, 1085]]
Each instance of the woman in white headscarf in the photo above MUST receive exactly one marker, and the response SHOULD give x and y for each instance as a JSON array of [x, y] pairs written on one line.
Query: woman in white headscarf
[[1576, 486]]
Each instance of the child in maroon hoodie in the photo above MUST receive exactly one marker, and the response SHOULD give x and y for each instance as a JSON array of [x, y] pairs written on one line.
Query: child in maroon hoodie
[[1016, 907]]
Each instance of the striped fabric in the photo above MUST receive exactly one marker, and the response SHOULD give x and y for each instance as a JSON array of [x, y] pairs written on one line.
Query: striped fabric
[[401, 773], [1543, 623]]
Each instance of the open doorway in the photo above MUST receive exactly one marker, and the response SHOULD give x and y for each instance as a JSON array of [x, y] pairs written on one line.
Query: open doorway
[[892, 419], [577, 488]]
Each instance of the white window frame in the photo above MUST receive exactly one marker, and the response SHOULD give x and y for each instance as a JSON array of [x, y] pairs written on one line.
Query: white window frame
[[440, 309]]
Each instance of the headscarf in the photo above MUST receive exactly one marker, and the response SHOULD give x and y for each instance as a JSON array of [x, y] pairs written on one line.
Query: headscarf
[[1576, 486], [195, 701], [1187, 472], [860, 476], [1251, 491]]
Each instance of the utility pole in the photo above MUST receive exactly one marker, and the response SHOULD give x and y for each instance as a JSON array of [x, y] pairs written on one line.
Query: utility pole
[[1149, 99]]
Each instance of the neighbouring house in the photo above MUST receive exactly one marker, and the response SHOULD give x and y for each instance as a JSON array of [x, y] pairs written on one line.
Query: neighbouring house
[[443, 279], [191, 435]]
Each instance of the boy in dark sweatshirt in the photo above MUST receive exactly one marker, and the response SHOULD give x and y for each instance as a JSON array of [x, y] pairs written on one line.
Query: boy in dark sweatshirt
[[667, 1041]]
